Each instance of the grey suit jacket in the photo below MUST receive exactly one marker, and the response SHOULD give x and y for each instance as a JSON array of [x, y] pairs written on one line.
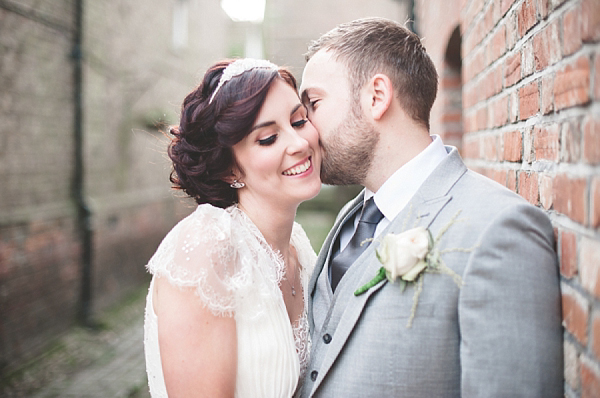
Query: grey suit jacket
[[498, 335]]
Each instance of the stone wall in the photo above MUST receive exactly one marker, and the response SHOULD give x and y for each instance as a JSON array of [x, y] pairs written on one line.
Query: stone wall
[[137, 68]]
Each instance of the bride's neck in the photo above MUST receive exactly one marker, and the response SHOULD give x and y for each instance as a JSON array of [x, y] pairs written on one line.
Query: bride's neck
[[274, 223]]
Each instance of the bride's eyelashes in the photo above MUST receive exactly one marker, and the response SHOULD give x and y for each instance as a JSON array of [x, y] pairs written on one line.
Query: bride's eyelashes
[[302, 114], [299, 123], [268, 141]]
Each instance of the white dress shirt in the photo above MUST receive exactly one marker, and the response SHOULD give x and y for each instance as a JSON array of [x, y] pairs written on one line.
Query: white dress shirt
[[397, 191]]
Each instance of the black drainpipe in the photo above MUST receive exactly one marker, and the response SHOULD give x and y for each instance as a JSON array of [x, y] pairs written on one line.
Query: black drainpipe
[[84, 213], [412, 25]]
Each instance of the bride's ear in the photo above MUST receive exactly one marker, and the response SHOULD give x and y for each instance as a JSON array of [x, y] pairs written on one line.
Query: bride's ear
[[235, 175], [381, 93]]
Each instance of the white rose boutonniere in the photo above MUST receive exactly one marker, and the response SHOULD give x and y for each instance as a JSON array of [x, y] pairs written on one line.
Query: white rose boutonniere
[[408, 256], [402, 255]]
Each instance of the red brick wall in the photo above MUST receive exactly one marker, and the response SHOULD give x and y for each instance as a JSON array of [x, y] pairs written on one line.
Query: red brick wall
[[531, 121], [39, 248], [39, 274]]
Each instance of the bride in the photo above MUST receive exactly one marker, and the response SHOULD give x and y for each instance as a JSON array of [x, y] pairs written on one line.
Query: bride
[[225, 312]]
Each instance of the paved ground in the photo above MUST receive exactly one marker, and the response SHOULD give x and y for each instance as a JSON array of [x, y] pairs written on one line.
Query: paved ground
[[107, 362], [120, 372]]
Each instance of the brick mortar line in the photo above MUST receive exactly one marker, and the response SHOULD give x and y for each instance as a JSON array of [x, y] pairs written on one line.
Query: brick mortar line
[[562, 220], [550, 168], [538, 120], [593, 304]]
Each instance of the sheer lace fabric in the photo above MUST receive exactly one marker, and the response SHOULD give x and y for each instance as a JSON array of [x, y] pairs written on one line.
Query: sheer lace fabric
[[234, 272]]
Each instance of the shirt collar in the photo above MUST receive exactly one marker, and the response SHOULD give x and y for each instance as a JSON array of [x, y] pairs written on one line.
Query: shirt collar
[[397, 191]]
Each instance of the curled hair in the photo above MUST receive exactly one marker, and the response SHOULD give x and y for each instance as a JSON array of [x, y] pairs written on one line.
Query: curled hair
[[376, 45], [201, 146]]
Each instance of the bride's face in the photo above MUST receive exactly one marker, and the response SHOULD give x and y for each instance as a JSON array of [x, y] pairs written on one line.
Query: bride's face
[[280, 160]]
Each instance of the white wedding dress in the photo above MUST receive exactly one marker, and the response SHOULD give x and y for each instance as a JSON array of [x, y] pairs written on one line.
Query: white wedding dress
[[225, 258]]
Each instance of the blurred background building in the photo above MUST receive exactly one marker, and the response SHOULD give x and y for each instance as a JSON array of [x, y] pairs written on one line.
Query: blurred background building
[[87, 87]]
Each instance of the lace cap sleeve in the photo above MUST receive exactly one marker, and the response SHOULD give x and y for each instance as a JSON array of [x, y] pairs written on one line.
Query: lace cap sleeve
[[199, 252]]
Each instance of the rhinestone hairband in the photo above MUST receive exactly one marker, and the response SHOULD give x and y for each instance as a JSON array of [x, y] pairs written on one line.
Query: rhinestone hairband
[[238, 67]]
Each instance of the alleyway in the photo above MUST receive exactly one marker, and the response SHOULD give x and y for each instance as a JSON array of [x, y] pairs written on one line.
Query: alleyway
[[108, 362]]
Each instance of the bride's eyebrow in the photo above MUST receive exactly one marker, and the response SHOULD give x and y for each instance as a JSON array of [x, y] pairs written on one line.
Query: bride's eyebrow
[[298, 106], [271, 122]]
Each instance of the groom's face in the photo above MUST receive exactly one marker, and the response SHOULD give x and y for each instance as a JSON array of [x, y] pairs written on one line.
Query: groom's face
[[347, 140]]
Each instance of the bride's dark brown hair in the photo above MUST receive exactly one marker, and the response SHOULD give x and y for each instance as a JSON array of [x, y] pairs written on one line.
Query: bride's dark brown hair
[[200, 147]]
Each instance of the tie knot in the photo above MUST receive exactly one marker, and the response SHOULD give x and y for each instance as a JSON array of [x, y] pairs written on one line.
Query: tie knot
[[370, 213]]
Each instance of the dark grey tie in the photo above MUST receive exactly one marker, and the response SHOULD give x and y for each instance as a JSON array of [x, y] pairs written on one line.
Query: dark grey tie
[[367, 223]]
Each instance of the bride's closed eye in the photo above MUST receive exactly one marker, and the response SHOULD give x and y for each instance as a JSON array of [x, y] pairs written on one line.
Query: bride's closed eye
[[300, 116], [268, 141], [299, 123]]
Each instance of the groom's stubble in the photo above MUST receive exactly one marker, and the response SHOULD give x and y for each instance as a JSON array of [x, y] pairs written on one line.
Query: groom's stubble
[[348, 150]]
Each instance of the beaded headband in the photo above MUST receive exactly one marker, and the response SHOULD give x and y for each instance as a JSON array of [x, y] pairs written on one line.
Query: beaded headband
[[238, 67]]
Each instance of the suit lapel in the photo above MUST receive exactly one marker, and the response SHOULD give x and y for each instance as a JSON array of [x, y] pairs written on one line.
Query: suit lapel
[[325, 253], [422, 210]]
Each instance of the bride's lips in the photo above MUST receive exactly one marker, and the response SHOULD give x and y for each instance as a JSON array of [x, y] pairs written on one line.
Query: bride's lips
[[299, 168]]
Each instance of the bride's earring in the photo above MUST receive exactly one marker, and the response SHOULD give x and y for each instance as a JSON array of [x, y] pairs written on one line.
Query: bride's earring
[[237, 184]]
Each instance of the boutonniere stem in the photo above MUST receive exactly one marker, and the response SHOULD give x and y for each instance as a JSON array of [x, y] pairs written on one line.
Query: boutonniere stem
[[378, 278]]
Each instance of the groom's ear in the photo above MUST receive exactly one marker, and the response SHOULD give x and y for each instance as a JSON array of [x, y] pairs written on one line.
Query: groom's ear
[[381, 93]]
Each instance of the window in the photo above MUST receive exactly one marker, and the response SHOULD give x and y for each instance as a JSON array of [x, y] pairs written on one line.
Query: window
[[180, 24]]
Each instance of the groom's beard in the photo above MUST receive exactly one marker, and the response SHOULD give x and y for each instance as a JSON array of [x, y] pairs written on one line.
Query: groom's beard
[[348, 151]]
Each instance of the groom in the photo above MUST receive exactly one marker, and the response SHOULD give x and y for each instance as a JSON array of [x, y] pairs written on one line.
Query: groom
[[483, 318]]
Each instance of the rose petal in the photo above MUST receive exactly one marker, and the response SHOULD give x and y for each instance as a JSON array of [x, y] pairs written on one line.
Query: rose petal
[[415, 271], [400, 253]]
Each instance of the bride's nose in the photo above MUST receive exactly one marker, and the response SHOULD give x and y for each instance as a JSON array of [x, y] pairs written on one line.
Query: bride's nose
[[297, 143]]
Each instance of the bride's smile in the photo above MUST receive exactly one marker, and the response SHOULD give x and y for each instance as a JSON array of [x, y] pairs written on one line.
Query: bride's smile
[[300, 169]]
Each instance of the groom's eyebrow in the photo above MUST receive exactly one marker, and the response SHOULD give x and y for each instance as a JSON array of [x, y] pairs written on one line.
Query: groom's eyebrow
[[304, 96], [271, 122]]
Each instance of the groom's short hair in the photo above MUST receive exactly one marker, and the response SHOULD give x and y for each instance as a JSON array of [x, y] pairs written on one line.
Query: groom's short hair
[[378, 45]]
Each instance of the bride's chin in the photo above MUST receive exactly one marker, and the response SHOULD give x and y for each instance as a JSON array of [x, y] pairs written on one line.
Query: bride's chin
[[313, 193]]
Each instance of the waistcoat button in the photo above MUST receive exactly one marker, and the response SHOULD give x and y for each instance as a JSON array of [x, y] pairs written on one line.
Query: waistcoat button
[[313, 375]]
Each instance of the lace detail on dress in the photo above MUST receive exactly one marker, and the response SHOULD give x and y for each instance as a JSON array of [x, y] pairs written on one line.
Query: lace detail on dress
[[307, 259], [275, 255], [223, 256], [199, 253], [302, 341]]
